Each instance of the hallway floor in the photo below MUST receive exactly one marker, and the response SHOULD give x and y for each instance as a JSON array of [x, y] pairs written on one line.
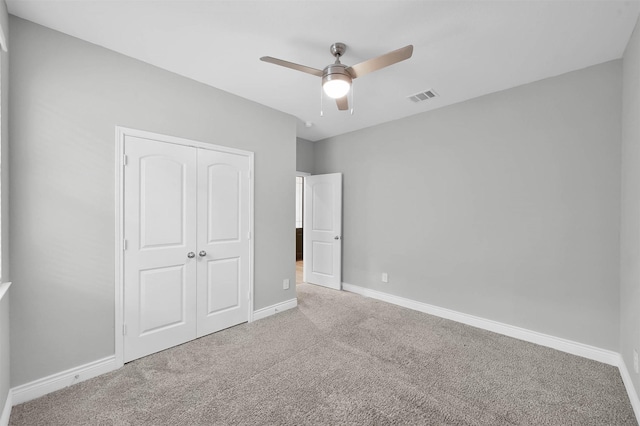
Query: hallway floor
[[299, 272]]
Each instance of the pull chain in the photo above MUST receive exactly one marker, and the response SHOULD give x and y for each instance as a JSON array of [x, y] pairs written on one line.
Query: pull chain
[[352, 97]]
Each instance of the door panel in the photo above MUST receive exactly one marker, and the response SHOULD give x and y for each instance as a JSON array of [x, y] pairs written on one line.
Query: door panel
[[322, 211], [224, 182], [323, 234], [159, 229], [162, 189], [162, 297], [223, 224], [224, 284], [322, 258]]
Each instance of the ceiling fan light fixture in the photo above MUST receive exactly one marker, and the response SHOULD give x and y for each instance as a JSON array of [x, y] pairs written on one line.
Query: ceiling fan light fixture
[[336, 89], [336, 81]]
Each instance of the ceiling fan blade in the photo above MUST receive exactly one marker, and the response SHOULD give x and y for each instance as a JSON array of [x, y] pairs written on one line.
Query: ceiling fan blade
[[343, 103], [381, 61], [293, 66]]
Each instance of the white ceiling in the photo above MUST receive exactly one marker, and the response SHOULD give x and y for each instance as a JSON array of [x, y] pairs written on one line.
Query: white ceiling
[[462, 49]]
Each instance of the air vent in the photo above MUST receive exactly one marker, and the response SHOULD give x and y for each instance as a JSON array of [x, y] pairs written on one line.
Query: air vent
[[423, 96]]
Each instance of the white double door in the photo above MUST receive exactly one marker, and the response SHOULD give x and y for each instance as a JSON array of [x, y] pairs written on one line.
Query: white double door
[[187, 247]]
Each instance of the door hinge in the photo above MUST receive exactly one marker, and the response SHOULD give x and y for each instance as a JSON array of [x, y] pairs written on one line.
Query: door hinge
[[124, 245], [124, 329], [249, 235], [124, 160]]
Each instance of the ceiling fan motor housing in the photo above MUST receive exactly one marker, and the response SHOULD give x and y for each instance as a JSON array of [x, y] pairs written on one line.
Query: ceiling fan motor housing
[[336, 72]]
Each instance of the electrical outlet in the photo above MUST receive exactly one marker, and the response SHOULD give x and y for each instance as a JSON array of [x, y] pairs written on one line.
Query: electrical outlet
[[635, 360], [385, 277], [285, 284]]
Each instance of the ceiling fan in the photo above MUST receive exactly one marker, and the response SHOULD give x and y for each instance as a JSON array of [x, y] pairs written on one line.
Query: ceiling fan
[[337, 77]]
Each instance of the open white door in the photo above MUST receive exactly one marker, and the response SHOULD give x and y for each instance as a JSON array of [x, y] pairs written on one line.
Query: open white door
[[322, 238]]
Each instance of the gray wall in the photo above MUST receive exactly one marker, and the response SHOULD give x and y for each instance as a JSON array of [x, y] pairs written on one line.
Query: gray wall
[[304, 155], [67, 96], [630, 227], [506, 207]]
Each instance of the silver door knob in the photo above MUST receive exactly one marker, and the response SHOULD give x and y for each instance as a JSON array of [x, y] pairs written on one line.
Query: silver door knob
[[191, 255], [202, 253], [336, 237]]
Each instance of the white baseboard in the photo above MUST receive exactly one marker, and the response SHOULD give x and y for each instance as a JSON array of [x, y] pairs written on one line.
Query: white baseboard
[[631, 391], [274, 309], [41, 387], [564, 345], [6, 411]]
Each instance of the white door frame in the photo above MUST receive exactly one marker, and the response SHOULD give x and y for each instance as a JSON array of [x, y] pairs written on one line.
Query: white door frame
[[121, 133], [302, 175]]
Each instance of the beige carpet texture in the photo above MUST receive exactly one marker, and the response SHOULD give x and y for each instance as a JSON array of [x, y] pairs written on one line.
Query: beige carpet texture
[[340, 358]]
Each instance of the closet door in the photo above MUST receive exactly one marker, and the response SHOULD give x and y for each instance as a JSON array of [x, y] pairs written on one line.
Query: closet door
[[223, 240], [160, 233]]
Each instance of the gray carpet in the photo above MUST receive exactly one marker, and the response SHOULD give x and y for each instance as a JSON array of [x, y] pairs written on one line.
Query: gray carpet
[[340, 358]]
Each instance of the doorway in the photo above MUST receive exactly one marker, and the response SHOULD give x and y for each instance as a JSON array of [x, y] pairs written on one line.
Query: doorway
[[300, 176]]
